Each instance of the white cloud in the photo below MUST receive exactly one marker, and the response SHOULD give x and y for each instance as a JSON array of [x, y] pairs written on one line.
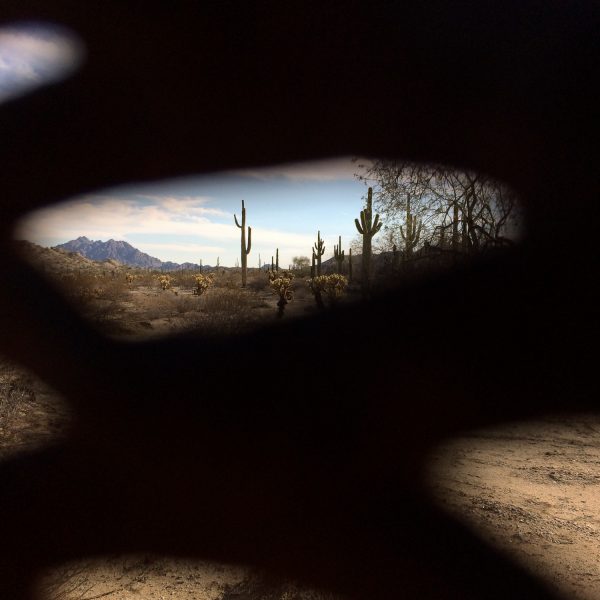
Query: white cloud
[[166, 249], [32, 55], [322, 170], [102, 217], [186, 206]]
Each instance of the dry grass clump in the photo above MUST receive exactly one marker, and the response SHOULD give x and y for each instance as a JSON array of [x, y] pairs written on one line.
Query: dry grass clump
[[228, 300], [99, 298], [226, 311], [85, 287], [16, 394], [14, 398], [258, 282], [261, 586], [166, 305], [69, 582], [30, 413]]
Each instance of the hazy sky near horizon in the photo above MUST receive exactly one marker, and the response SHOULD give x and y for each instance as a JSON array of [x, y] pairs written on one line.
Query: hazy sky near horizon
[[185, 220], [189, 219]]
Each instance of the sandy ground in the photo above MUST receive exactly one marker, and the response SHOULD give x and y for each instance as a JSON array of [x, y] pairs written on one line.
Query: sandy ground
[[532, 490], [151, 313], [136, 577]]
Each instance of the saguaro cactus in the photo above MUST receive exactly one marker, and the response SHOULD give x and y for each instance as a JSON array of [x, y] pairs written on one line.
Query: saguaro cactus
[[312, 266], [277, 259], [245, 249], [412, 233], [338, 254], [350, 265], [367, 227], [318, 251]]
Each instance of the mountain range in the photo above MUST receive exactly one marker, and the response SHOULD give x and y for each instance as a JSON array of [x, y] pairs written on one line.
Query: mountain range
[[120, 251]]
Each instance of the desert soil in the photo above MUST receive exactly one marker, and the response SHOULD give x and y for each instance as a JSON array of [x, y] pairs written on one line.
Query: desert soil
[[530, 489], [533, 491]]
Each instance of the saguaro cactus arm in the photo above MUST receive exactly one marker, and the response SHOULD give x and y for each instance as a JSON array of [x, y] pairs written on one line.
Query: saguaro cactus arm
[[367, 226], [249, 246], [360, 229], [243, 217]]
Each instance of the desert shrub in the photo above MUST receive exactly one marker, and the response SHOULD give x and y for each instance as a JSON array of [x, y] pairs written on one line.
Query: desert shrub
[[83, 288], [114, 290], [146, 278], [184, 279], [203, 283], [228, 300], [166, 305], [257, 282]]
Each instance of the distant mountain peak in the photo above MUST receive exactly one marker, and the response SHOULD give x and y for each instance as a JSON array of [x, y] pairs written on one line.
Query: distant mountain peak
[[118, 250]]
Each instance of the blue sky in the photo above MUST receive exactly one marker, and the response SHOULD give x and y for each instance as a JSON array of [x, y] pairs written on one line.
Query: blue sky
[[190, 219]]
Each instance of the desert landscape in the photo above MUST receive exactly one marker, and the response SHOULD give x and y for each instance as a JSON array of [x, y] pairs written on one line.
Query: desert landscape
[[529, 489]]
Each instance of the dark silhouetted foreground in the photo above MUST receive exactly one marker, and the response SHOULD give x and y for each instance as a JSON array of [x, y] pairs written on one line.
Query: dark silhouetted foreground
[[321, 483]]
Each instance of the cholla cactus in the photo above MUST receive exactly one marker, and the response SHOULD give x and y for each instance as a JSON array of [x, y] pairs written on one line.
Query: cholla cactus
[[129, 278], [165, 282], [282, 286], [333, 286], [203, 282]]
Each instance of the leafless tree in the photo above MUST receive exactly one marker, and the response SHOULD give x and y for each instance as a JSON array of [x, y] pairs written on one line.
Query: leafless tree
[[300, 262], [459, 210]]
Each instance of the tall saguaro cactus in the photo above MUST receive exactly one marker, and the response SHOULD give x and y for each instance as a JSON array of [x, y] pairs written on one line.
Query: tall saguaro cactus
[[367, 227], [245, 249], [412, 233], [318, 251], [277, 260], [338, 254]]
